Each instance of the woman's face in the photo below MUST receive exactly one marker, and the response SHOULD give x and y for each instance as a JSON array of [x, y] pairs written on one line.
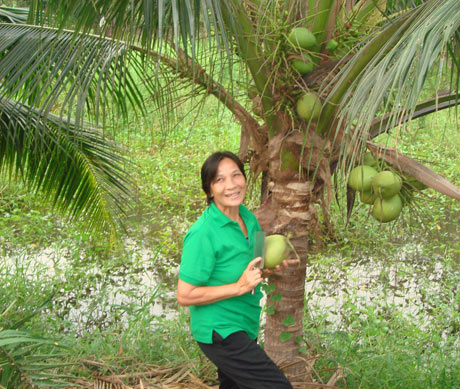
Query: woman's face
[[229, 186]]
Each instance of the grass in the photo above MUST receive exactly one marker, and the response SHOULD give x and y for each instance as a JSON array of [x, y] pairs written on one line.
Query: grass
[[384, 299]]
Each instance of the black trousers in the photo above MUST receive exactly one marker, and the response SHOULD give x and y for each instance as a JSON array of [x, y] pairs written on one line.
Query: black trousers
[[242, 364]]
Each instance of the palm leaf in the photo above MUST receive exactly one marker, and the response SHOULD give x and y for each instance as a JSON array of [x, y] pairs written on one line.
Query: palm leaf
[[442, 101], [204, 30], [43, 71], [393, 80], [13, 15], [28, 356], [79, 169], [72, 74], [177, 22], [20, 360]]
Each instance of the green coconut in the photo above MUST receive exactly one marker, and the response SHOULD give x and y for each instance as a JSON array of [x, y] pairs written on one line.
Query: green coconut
[[387, 209], [304, 65], [332, 45], [302, 37], [276, 250], [361, 177], [309, 106], [386, 184], [367, 197], [369, 160]]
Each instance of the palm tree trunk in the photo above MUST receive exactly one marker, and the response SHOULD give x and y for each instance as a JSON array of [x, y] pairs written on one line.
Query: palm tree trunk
[[288, 210]]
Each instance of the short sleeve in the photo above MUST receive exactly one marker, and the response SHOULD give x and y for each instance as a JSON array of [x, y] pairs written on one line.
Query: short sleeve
[[198, 258]]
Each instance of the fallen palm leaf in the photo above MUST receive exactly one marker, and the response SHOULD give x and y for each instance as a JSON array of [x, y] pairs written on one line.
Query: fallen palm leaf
[[183, 377]]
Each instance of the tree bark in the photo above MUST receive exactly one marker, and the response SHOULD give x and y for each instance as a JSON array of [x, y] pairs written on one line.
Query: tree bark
[[290, 204], [287, 210]]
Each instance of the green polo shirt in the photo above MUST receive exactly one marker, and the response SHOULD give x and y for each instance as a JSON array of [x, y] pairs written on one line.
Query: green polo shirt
[[216, 252]]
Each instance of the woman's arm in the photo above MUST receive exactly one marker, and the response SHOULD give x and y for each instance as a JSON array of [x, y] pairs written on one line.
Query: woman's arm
[[188, 294]]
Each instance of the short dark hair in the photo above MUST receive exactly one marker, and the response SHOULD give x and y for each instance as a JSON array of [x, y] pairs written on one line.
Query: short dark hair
[[209, 170]]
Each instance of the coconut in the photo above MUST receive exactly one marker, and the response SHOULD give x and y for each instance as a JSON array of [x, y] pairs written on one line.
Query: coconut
[[387, 209], [361, 177], [367, 197], [304, 65], [302, 37], [309, 106], [331, 45], [386, 184], [276, 250], [369, 160]]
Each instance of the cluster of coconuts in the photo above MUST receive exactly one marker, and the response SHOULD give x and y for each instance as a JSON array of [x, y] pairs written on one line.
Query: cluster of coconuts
[[384, 190], [304, 41]]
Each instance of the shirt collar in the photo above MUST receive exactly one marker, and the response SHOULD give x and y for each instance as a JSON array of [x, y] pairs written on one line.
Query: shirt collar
[[223, 219]]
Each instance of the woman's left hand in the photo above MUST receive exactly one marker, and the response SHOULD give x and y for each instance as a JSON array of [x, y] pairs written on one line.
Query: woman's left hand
[[286, 263]]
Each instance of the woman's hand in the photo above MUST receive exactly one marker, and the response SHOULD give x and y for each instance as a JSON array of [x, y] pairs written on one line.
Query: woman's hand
[[286, 263], [251, 277]]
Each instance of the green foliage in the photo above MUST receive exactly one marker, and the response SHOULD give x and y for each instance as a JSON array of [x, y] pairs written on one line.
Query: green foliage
[[288, 321], [270, 310], [26, 357], [285, 336], [104, 296], [380, 346]]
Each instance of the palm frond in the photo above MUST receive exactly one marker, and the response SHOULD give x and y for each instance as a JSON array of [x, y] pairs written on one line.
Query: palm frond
[[28, 357], [51, 82], [392, 82], [442, 101], [71, 75], [77, 168], [178, 22], [13, 15]]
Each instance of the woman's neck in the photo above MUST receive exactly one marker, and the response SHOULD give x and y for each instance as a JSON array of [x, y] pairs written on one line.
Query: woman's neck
[[232, 213]]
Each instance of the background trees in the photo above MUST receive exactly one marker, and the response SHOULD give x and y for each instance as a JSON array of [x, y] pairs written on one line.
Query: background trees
[[369, 60]]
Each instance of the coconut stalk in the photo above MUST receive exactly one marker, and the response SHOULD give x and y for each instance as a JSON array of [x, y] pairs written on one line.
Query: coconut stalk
[[322, 13]]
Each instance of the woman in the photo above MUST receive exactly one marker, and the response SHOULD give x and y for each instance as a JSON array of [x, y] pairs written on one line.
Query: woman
[[217, 275]]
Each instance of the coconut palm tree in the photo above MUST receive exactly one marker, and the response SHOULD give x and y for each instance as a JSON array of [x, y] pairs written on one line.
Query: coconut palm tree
[[360, 68]]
